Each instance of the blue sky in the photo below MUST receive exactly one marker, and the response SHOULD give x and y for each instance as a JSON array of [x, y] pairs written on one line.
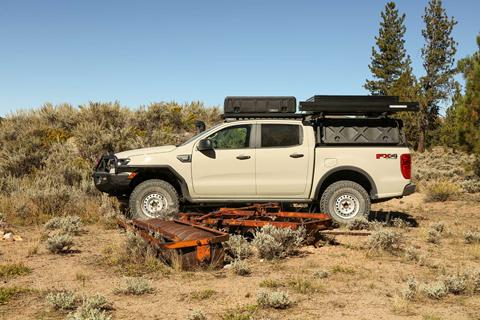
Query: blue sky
[[139, 52]]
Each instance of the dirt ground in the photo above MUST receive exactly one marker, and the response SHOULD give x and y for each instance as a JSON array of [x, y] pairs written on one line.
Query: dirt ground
[[360, 285]]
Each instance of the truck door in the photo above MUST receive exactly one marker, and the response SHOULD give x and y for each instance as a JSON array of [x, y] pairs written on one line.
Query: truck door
[[229, 169], [281, 161]]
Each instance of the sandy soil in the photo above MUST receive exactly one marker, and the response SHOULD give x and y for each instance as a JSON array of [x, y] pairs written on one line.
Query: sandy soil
[[361, 285]]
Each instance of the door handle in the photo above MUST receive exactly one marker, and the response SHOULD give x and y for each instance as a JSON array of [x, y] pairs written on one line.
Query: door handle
[[243, 157], [296, 155]]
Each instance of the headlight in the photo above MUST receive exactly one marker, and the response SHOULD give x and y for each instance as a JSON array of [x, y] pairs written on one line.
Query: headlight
[[123, 162]]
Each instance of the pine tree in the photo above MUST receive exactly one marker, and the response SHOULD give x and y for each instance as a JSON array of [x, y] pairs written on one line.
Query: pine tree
[[438, 60], [390, 60], [467, 110]]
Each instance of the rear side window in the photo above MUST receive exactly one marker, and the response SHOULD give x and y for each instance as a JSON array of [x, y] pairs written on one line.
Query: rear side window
[[280, 135]]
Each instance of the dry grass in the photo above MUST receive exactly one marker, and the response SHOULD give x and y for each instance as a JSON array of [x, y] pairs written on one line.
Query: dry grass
[[441, 190], [13, 270]]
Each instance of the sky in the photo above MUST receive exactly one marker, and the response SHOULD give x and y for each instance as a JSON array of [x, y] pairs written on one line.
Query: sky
[[138, 52]]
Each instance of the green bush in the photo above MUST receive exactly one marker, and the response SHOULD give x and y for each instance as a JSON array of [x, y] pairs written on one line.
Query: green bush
[[238, 247], [272, 242], [384, 240], [275, 299], [62, 300]]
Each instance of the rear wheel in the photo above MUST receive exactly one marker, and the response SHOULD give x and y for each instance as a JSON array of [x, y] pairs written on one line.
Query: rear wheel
[[345, 201], [153, 199]]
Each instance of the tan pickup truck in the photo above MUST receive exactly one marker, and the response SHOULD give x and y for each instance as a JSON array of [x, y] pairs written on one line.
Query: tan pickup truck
[[333, 157]]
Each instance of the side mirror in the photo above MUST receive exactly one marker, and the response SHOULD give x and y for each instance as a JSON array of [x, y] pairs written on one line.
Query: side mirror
[[204, 145], [200, 126]]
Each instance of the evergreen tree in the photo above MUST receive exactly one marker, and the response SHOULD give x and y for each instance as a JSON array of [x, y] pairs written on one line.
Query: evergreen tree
[[391, 67], [390, 60], [466, 112], [438, 60]]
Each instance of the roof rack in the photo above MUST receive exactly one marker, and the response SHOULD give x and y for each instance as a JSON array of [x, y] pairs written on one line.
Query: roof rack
[[317, 106]]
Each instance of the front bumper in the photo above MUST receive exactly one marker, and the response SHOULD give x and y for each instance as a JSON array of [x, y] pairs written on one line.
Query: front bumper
[[409, 189], [112, 183]]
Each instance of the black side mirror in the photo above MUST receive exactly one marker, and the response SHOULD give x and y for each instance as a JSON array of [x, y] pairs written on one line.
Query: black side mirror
[[200, 126], [204, 145]]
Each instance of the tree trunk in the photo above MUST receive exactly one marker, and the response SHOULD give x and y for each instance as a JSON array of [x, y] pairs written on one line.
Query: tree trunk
[[421, 139]]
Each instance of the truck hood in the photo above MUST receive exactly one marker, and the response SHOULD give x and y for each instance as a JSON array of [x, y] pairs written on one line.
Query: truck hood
[[144, 151]]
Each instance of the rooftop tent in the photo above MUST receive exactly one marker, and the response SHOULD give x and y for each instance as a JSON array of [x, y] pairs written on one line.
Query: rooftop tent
[[356, 105]]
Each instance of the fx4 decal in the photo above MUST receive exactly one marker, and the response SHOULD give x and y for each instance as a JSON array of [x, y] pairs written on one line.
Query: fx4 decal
[[386, 156]]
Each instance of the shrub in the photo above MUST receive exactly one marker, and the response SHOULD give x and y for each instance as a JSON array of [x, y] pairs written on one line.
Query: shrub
[[471, 236], [68, 224], [135, 286], [96, 301], [13, 270], [134, 257], [241, 267], [410, 291], [321, 274], [411, 254], [59, 243], [386, 240], [433, 236], [359, 224], [475, 280], [435, 290], [84, 313], [400, 223], [238, 247], [438, 226], [272, 242], [197, 315], [62, 300], [442, 190], [276, 299], [456, 284]]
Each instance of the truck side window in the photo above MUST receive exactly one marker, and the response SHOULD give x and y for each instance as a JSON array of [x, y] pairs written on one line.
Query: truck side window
[[280, 135], [236, 137]]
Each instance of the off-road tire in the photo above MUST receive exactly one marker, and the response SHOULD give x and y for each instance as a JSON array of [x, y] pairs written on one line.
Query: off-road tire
[[145, 194], [340, 196]]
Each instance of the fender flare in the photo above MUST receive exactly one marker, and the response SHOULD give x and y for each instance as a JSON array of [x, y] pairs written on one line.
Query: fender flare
[[181, 180], [373, 191]]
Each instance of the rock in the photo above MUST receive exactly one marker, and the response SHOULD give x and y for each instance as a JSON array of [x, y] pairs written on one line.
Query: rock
[[227, 266], [17, 238], [8, 236], [2, 233]]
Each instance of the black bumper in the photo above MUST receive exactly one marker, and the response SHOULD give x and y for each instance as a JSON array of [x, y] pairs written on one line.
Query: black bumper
[[108, 180], [409, 189]]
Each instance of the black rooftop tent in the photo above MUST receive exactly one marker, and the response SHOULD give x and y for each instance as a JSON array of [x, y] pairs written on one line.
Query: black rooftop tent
[[286, 106]]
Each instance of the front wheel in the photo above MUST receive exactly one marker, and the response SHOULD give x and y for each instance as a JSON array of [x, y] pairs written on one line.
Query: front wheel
[[345, 201], [153, 199]]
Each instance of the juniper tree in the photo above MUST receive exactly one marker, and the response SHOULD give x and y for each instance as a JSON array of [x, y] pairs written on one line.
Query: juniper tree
[[389, 57], [438, 60]]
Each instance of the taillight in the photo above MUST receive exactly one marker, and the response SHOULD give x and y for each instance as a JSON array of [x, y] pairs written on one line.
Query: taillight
[[406, 165]]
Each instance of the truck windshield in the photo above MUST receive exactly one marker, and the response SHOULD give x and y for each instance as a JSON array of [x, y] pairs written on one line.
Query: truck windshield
[[198, 135]]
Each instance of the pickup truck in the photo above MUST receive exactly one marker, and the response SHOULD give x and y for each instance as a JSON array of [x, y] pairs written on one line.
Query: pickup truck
[[338, 165]]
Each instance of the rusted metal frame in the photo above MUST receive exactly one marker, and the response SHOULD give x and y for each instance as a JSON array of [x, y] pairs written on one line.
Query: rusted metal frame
[[287, 214], [144, 233], [148, 227]]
